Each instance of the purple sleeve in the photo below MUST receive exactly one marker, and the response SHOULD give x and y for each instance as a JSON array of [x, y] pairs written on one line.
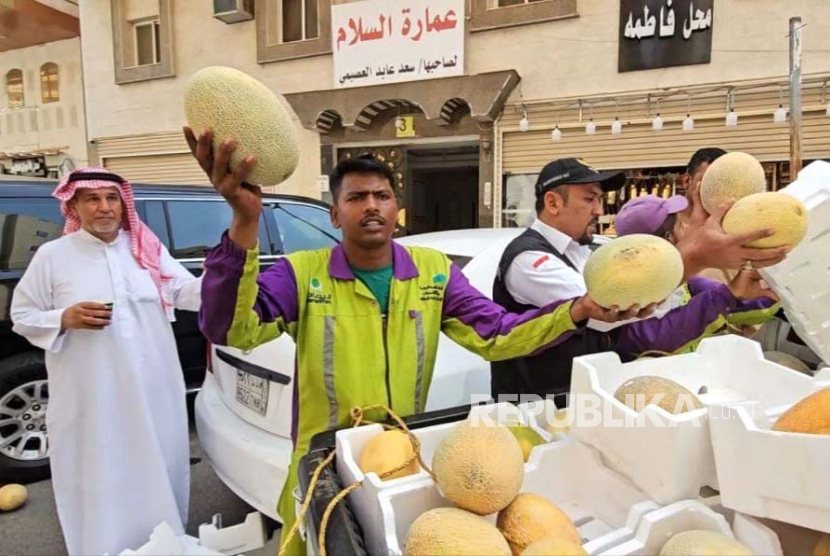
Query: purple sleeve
[[234, 293], [700, 317], [699, 284]]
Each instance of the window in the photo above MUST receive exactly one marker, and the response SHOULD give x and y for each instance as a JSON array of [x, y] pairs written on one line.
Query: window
[[14, 88], [305, 227], [25, 225], [147, 45], [508, 3], [487, 14], [197, 227], [298, 20], [49, 83]]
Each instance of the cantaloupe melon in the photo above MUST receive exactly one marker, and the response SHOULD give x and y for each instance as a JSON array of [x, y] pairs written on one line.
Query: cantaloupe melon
[[553, 545], [635, 269], [530, 518], [811, 415], [453, 532], [787, 360], [12, 497], [642, 389], [822, 547], [479, 468], [237, 106], [527, 439], [701, 542], [777, 211], [731, 177], [386, 451]]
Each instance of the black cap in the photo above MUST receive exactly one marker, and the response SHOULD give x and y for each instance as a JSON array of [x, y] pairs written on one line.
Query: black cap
[[573, 171]]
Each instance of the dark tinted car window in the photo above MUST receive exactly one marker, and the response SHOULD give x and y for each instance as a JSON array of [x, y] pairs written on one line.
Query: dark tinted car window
[[25, 225], [197, 226], [305, 227], [460, 260]]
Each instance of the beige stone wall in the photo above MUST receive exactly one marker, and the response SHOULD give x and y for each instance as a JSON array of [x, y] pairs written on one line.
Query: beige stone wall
[[39, 125], [564, 58]]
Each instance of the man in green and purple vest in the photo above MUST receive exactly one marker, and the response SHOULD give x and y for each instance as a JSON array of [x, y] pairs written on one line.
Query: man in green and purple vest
[[366, 315]]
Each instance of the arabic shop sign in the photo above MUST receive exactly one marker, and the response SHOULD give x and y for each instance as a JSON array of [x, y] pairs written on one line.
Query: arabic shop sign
[[392, 41], [664, 33]]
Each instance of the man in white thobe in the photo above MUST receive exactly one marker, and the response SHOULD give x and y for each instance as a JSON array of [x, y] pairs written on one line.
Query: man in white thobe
[[116, 418]]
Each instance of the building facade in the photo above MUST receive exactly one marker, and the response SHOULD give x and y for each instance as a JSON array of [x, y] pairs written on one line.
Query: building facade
[[464, 99], [42, 119]]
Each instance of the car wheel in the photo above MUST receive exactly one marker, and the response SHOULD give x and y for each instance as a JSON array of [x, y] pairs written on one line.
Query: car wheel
[[24, 396]]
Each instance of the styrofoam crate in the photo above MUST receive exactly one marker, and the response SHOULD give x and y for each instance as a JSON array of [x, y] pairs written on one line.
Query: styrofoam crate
[[350, 443], [670, 456], [657, 527], [801, 279], [766, 473], [603, 505]]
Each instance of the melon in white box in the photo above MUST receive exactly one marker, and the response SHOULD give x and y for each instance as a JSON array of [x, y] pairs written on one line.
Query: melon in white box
[[656, 528], [604, 506], [766, 473], [670, 456]]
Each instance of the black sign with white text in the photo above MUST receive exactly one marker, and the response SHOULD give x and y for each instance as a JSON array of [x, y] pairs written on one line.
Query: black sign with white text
[[664, 33]]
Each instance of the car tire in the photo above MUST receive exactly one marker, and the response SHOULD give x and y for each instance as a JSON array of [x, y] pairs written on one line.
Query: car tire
[[26, 373]]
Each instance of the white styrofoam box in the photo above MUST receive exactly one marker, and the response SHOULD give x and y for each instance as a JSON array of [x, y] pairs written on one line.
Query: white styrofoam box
[[670, 456], [759, 537], [766, 473], [603, 505], [801, 280], [541, 413], [657, 527], [350, 443]]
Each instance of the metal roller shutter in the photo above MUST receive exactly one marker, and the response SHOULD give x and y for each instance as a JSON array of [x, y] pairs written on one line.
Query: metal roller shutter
[[161, 158]]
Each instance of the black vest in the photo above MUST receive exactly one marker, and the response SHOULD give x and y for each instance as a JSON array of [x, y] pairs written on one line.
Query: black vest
[[549, 372]]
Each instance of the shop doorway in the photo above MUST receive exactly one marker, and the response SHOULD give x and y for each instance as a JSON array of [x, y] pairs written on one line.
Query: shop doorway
[[443, 191]]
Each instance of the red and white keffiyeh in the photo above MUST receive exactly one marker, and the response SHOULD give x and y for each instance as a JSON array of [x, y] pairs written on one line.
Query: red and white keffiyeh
[[144, 244]]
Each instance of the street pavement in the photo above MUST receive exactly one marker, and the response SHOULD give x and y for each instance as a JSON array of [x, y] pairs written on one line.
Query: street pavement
[[34, 530]]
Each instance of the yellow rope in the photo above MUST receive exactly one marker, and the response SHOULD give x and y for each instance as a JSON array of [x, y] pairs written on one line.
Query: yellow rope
[[358, 417]]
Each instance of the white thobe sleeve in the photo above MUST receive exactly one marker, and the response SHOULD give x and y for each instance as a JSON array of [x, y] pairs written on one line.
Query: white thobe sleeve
[[33, 312], [187, 289], [537, 278]]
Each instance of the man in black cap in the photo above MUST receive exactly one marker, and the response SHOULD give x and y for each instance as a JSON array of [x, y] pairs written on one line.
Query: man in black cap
[[545, 264]]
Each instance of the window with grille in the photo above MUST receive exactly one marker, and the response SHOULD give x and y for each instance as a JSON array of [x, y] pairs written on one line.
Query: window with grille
[[298, 20], [14, 88], [49, 83]]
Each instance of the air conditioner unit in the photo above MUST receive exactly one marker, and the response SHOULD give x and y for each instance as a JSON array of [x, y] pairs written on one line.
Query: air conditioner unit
[[233, 11]]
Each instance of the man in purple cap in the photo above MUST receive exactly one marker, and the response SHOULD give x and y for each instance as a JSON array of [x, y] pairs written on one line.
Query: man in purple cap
[[546, 262], [661, 217]]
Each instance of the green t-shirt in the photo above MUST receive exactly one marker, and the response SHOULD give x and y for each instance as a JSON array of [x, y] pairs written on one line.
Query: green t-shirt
[[379, 282]]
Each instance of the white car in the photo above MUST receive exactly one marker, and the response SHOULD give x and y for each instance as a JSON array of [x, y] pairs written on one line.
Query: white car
[[243, 412]]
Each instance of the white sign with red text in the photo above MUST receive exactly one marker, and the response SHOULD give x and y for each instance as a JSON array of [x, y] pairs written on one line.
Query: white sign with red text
[[392, 41]]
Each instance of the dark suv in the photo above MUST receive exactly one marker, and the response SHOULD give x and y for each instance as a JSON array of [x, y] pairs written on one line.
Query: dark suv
[[189, 220]]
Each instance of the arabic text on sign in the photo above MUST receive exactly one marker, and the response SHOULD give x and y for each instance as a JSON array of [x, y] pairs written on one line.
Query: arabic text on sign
[[664, 26], [383, 26]]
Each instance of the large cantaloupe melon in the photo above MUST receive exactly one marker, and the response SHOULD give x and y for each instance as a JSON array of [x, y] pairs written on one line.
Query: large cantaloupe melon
[[638, 392], [787, 360], [479, 468], [701, 542], [638, 269], [731, 177], [12, 497], [809, 416], [553, 545], [780, 212], [530, 518], [527, 439], [387, 451], [237, 106], [453, 532]]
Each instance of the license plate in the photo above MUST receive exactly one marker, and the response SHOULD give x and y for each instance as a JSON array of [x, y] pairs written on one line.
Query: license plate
[[252, 392]]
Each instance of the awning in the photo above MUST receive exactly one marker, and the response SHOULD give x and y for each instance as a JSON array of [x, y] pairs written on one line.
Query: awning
[[29, 153], [438, 99]]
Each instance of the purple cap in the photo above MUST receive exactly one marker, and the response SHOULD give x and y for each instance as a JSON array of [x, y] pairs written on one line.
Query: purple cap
[[645, 215]]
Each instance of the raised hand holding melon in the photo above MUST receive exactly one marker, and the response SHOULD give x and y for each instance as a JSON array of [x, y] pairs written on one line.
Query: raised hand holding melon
[[782, 213]]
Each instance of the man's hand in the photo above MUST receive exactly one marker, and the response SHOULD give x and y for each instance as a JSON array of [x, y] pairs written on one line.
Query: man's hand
[[86, 315], [586, 308], [709, 246], [748, 285], [244, 198]]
